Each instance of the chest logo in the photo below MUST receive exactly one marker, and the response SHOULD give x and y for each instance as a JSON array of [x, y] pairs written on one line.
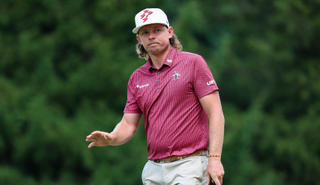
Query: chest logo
[[168, 60], [142, 86], [176, 75]]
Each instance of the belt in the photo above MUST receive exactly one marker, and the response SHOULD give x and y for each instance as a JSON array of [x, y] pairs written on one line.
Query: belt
[[176, 158]]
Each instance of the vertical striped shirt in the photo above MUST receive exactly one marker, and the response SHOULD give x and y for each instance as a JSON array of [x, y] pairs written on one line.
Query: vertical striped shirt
[[168, 97]]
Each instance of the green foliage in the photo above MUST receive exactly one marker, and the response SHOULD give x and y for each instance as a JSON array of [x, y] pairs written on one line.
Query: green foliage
[[64, 67]]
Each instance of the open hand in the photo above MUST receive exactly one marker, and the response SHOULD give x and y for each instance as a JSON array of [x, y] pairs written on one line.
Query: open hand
[[98, 138]]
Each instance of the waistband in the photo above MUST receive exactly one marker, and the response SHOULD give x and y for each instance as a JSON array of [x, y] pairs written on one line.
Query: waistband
[[176, 158]]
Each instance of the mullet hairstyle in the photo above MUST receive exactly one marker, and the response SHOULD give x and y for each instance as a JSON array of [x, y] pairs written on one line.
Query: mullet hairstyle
[[174, 42]]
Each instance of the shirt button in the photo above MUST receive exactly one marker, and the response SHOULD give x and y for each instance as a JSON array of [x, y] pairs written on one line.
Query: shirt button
[[158, 80], [158, 72]]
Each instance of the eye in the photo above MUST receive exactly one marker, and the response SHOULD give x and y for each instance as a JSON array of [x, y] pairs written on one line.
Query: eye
[[143, 33]]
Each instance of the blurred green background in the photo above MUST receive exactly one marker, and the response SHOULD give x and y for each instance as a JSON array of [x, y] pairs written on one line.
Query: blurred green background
[[65, 64]]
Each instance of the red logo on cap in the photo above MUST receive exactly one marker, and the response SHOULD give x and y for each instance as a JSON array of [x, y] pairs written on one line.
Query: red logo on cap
[[145, 15]]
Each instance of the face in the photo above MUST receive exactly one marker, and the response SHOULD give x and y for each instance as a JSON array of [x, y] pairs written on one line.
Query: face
[[155, 38]]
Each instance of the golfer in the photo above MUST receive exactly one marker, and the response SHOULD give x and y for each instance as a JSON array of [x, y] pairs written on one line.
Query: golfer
[[176, 93]]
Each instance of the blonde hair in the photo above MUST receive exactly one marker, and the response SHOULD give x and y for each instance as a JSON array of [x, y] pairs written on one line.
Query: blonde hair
[[174, 42]]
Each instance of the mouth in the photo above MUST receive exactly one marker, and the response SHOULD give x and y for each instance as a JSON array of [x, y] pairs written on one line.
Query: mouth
[[153, 43]]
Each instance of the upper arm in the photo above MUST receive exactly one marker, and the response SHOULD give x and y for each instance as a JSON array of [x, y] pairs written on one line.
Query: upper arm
[[132, 119], [211, 104]]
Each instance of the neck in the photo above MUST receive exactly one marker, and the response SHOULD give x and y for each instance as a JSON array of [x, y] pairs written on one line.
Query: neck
[[157, 60]]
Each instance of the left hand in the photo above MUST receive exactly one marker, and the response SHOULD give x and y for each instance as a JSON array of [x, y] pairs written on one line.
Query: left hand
[[215, 171]]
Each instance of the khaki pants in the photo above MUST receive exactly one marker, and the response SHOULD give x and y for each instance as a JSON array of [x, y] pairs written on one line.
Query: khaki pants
[[188, 171]]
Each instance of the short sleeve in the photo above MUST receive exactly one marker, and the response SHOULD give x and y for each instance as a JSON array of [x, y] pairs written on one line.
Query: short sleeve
[[131, 105], [204, 82]]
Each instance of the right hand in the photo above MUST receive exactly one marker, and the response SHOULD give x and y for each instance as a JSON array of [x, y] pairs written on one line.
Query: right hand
[[98, 138]]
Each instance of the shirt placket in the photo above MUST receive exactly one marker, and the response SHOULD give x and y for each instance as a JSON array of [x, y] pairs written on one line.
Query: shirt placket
[[158, 80]]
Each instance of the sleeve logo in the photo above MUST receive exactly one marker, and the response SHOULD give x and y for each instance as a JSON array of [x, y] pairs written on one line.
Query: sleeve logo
[[211, 82]]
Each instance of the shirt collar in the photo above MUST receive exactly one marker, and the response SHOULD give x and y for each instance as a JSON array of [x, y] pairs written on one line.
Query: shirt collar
[[168, 61]]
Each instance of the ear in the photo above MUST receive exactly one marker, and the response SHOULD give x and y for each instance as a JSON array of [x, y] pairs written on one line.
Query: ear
[[138, 38], [170, 31]]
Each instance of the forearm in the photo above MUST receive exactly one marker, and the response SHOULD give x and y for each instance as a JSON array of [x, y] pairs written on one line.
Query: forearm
[[216, 134], [126, 129], [122, 133]]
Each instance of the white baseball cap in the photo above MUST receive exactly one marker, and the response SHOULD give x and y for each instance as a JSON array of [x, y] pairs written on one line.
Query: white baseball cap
[[150, 16]]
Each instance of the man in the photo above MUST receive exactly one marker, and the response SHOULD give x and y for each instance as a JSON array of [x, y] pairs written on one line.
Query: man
[[177, 95]]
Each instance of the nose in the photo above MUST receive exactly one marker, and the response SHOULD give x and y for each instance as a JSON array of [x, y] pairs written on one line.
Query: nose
[[151, 36]]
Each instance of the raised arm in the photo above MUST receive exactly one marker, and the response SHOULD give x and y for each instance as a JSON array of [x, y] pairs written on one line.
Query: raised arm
[[212, 106], [122, 133]]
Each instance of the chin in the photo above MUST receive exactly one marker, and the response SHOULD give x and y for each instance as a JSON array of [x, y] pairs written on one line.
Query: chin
[[155, 51]]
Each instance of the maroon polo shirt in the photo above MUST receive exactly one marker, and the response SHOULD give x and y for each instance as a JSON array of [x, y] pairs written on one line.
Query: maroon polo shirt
[[175, 122]]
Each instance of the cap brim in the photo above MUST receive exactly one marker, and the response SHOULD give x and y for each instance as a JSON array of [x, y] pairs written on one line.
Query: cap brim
[[136, 29]]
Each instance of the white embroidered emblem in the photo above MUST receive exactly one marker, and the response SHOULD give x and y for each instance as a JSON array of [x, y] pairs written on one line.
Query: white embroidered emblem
[[168, 60], [176, 75], [141, 86], [211, 82]]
